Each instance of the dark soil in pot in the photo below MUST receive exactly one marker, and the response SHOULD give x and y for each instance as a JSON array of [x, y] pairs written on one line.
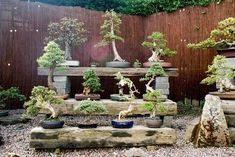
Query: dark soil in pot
[[117, 64], [52, 124], [125, 123], [4, 113], [153, 122]]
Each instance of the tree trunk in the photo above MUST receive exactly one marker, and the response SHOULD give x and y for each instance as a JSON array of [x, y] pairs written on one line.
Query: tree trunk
[[117, 57], [154, 57], [50, 78], [68, 51]]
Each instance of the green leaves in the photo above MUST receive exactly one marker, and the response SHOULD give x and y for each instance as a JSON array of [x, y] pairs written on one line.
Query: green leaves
[[12, 93], [90, 107], [91, 80], [154, 70]]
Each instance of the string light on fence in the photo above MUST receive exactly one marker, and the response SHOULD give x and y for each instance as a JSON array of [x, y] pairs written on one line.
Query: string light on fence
[[15, 30], [11, 30], [37, 30], [8, 64], [39, 6]]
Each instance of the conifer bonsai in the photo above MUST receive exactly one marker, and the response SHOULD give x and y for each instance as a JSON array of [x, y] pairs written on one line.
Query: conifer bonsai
[[68, 32], [91, 84], [220, 72], [157, 44], [109, 31], [52, 57], [223, 36]]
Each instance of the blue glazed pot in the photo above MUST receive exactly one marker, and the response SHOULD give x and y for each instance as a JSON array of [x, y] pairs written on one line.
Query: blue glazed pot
[[52, 124], [122, 123]]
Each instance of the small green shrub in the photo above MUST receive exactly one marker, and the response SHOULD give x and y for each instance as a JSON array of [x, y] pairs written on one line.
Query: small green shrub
[[91, 81]]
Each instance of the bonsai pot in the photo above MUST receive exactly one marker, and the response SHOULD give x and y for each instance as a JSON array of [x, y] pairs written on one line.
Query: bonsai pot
[[229, 52], [117, 64], [65, 96], [117, 97], [87, 125], [153, 122], [122, 123], [85, 97], [71, 63], [225, 95], [52, 124], [149, 98], [162, 63], [4, 113]]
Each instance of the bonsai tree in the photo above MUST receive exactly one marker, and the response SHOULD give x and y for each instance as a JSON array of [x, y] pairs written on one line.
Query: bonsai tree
[[12, 93], [126, 82], [156, 43], [43, 98], [52, 56], [91, 82], [109, 31], [223, 36], [220, 72], [68, 32]]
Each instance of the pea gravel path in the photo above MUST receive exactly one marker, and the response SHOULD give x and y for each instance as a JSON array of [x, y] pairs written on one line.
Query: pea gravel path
[[16, 139]]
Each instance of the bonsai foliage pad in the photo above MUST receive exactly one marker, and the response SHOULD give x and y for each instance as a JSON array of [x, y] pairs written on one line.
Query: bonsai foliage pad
[[225, 95], [85, 97]]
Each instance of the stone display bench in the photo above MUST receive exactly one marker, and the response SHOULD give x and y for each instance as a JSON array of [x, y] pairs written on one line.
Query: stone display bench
[[73, 137]]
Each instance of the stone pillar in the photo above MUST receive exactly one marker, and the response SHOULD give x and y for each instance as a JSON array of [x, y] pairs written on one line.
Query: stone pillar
[[162, 84], [62, 84]]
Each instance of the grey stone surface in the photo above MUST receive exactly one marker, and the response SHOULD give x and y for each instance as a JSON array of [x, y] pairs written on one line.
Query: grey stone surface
[[167, 121], [230, 120], [164, 91], [161, 80], [162, 85], [13, 119], [73, 137], [135, 152], [232, 134], [71, 63], [62, 84], [61, 78], [191, 130], [228, 106]]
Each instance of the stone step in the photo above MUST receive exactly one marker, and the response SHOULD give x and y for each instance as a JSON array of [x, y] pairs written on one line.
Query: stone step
[[230, 120], [73, 137], [228, 106], [114, 107], [232, 134]]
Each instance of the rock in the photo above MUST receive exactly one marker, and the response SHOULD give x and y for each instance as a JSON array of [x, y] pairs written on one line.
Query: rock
[[191, 130], [230, 120], [152, 148], [135, 152], [167, 121], [212, 129], [73, 137], [12, 155], [13, 119]]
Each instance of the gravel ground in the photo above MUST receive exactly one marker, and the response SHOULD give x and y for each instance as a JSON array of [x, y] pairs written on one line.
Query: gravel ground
[[16, 139]]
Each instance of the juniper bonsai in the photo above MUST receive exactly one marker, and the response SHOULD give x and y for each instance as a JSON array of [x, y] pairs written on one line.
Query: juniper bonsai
[[52, 56], [220, 72], [91, 82], [156, 43], [69, 32], [109, 31], [221, 37]]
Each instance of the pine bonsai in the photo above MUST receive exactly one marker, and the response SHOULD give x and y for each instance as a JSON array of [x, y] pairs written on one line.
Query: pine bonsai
[[52, 56], [156, 43], [220, 72], [69, 32], [109, 31], [91, 82], [221, 37]]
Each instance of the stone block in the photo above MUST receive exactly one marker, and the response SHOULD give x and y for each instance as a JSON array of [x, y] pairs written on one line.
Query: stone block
[[191, 130], [74, 137], [61, 78], [161, 80], [232, 134], [62, 84], [71, 63], [162, 86], [164, 91], [167, 121], [228, 106], [230, 120]]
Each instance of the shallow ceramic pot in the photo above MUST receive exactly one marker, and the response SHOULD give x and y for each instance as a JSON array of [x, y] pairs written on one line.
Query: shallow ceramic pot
[[53, 124], [153, 122], [117, 97], [117, 64], [229, 52], [163, 64], [122, 123], [4, 113]]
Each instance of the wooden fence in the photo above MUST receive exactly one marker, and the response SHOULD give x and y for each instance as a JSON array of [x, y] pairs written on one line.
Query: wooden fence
[[23, 27]]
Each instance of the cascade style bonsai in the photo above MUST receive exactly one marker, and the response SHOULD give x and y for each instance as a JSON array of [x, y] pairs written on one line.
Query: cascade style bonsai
[[156, 43], [220, 72], [223, 36], [69, 32], [109, 31], [52, 57]]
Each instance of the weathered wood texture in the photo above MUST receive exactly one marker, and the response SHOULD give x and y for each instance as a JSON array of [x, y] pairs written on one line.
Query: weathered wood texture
[[23, 28]]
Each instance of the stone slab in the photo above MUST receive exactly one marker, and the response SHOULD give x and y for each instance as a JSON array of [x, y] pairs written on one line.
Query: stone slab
[[164, 91], [61, 78], [230, 120], [162, 86], [161, 80], [73, 137], [228, 106], [71, 63], [114, 107]]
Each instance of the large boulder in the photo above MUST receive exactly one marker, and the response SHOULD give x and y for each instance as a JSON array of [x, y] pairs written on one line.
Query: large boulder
[[212, 129]]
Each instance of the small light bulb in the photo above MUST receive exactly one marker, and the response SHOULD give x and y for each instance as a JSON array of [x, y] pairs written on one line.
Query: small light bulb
[[8, 64], [15, 30], [37, 30], [11, 30]]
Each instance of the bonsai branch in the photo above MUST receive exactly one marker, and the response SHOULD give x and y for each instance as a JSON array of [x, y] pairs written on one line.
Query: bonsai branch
[[124, 113]]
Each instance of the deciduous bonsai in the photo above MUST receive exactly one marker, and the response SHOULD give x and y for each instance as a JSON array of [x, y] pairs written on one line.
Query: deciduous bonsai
[[90, 108], [52, 57], [223, 36], [109, 31], [121, 84], [91, 84], [69, 32], [220, 72], [157, 44], [6, 95], [42, 98]]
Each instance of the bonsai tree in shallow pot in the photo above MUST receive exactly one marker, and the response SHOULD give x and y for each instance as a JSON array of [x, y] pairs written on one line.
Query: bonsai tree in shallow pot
[[68, 32], [156, 43], [154, 71], [91, 84], [121, 84], [44, 98], [109, 31], [220, 72], [52, 57], [12, 93], [221, 38], [89, 107]]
